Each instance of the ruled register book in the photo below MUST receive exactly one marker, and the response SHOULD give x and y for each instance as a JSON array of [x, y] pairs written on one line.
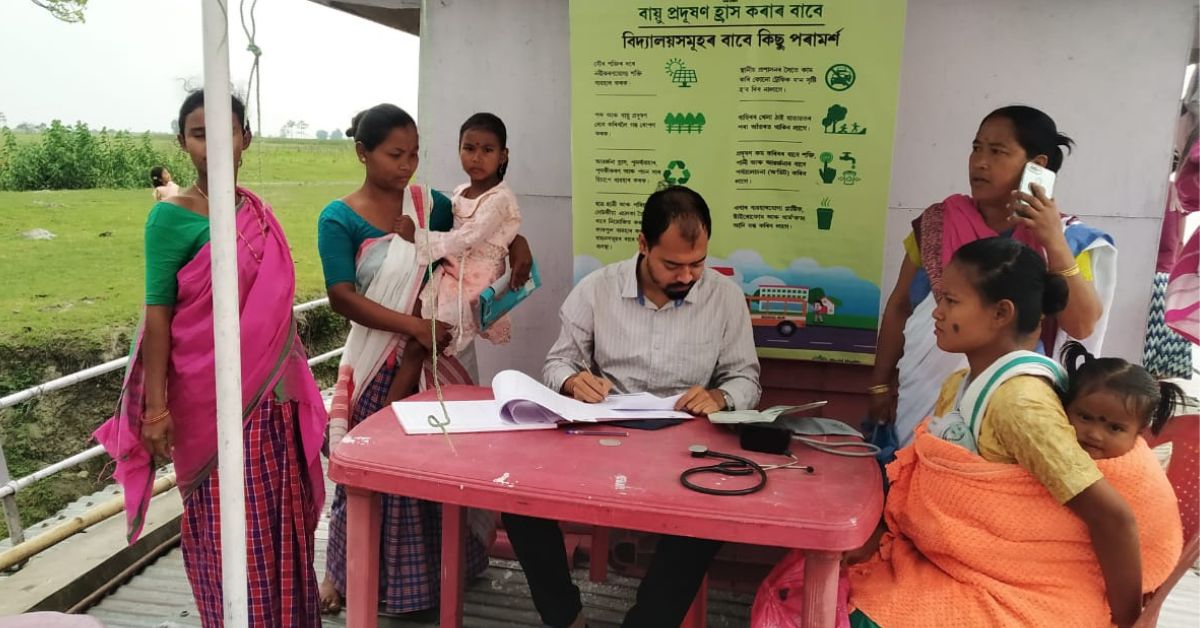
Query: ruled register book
[[523, 403]]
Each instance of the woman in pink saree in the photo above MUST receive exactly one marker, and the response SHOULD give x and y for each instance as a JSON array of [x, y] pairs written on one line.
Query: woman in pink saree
[[168, 407]]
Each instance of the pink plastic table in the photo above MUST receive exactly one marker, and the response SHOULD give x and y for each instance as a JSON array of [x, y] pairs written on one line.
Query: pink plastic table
[[574, 478]]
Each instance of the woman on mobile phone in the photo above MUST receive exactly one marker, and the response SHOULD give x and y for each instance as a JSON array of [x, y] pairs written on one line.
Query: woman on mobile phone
[[909, 367]]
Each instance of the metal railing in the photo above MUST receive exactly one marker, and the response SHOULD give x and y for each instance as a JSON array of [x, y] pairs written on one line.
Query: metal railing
[[10, 487]]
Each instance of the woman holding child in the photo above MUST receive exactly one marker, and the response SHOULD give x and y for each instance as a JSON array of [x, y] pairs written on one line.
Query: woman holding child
[[374, 276], [1007, 509], [975, 531]]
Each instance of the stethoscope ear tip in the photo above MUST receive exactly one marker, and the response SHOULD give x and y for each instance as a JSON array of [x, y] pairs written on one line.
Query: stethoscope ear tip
[[698, 451]]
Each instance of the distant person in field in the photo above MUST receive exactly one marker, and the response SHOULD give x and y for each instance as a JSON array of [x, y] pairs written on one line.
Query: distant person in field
[[164, 186], [168, 408]]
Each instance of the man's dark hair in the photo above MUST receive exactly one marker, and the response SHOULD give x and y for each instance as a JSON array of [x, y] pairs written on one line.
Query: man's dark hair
[[677, 205]]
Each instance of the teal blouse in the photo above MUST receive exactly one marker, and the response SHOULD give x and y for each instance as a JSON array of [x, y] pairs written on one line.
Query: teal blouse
[[340, 231]]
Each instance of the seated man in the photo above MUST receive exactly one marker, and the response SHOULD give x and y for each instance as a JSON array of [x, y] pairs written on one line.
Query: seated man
[[660, 323]]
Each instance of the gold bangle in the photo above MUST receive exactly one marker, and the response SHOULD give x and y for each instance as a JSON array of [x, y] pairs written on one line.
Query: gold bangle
[[881, 389], [1073, 271], [156, 418]]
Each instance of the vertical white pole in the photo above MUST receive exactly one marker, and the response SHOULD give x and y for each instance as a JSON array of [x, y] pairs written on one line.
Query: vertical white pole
[[218, 129]]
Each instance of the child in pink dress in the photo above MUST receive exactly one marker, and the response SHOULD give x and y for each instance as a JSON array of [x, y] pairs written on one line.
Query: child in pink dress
[[473, 253]]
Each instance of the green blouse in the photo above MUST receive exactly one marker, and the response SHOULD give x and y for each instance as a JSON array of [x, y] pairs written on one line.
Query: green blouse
[[173, 237]]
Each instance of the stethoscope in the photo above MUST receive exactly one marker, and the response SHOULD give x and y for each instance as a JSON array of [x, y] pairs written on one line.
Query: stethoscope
[[853, 448], [735, 466]]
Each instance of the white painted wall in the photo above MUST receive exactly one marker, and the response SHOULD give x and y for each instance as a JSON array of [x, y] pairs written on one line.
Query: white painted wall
[[509, 57], [1109, 72]]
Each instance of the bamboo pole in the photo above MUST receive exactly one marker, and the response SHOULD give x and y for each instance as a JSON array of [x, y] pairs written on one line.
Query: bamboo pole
[[24, 551]]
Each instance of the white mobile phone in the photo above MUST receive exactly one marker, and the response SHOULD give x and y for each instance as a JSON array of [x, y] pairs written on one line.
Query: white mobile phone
[[1034, 173]]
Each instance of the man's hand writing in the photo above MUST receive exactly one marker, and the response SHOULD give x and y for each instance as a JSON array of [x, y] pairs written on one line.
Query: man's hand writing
[[586, 387]]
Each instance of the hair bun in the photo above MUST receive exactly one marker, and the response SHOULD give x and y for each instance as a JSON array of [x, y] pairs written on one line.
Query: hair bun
[[1055, 294], [352, 130]]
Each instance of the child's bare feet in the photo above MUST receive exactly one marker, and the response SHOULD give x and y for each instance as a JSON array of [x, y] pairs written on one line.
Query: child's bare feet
[[330, 599]]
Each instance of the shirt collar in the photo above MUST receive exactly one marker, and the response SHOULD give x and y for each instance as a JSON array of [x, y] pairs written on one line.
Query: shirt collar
[[629, 282]]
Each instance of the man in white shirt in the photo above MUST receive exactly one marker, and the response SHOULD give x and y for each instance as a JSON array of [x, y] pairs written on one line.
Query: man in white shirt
[[661, 323]]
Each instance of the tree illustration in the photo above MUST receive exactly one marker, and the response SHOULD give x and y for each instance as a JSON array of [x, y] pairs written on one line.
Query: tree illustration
[[836, 114]]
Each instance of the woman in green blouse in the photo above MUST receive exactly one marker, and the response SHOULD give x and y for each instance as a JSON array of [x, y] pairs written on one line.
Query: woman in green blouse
[[372, 278]]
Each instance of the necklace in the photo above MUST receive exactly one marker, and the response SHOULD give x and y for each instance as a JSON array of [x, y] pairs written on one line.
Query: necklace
[[262, 226]]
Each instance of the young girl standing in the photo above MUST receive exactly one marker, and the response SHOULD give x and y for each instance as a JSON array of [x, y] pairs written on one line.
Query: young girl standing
[[486, 219]]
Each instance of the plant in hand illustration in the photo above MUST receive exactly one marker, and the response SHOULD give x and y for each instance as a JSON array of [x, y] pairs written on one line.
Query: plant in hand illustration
[[827, 174]]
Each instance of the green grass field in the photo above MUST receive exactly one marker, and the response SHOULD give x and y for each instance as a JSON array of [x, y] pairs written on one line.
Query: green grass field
[[90, 277]]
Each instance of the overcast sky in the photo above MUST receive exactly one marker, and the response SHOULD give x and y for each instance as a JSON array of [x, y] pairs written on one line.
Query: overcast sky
[[125, 68]]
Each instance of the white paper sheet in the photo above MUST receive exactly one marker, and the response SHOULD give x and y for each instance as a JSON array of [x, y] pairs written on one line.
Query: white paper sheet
[[523, 403], [639, 401]]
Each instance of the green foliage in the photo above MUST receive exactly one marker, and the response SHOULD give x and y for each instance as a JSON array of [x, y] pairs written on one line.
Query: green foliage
[[65, 10], [75, 158]]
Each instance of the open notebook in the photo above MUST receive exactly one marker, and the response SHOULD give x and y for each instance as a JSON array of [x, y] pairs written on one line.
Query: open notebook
[[522, 403]]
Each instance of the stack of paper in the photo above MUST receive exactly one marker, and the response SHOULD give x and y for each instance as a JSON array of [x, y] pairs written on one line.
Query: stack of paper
[[522, 403]]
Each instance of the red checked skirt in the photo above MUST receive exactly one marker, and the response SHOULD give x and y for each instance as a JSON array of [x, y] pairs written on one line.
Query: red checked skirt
[[279, 528]]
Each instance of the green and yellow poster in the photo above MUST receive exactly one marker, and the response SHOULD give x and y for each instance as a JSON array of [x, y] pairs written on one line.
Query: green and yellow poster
[[780, 115]]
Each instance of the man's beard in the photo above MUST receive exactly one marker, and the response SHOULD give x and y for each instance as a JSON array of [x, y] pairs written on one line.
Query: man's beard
[[678, 291]]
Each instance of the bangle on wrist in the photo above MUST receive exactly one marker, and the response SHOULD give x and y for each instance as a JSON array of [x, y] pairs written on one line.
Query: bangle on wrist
[[148, 420], [880, 389], [1067, 273]]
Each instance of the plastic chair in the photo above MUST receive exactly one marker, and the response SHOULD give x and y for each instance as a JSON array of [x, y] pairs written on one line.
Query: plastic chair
[[1183, 432]]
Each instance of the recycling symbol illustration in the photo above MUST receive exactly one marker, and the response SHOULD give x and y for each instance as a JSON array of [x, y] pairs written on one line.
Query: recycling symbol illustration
[[676, 173]]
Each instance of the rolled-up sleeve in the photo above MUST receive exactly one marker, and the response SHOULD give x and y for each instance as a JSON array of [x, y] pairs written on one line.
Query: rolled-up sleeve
[[737, 371], [572, 351]]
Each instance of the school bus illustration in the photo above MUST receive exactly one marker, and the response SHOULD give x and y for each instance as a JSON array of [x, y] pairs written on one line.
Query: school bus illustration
[[783, 307]]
